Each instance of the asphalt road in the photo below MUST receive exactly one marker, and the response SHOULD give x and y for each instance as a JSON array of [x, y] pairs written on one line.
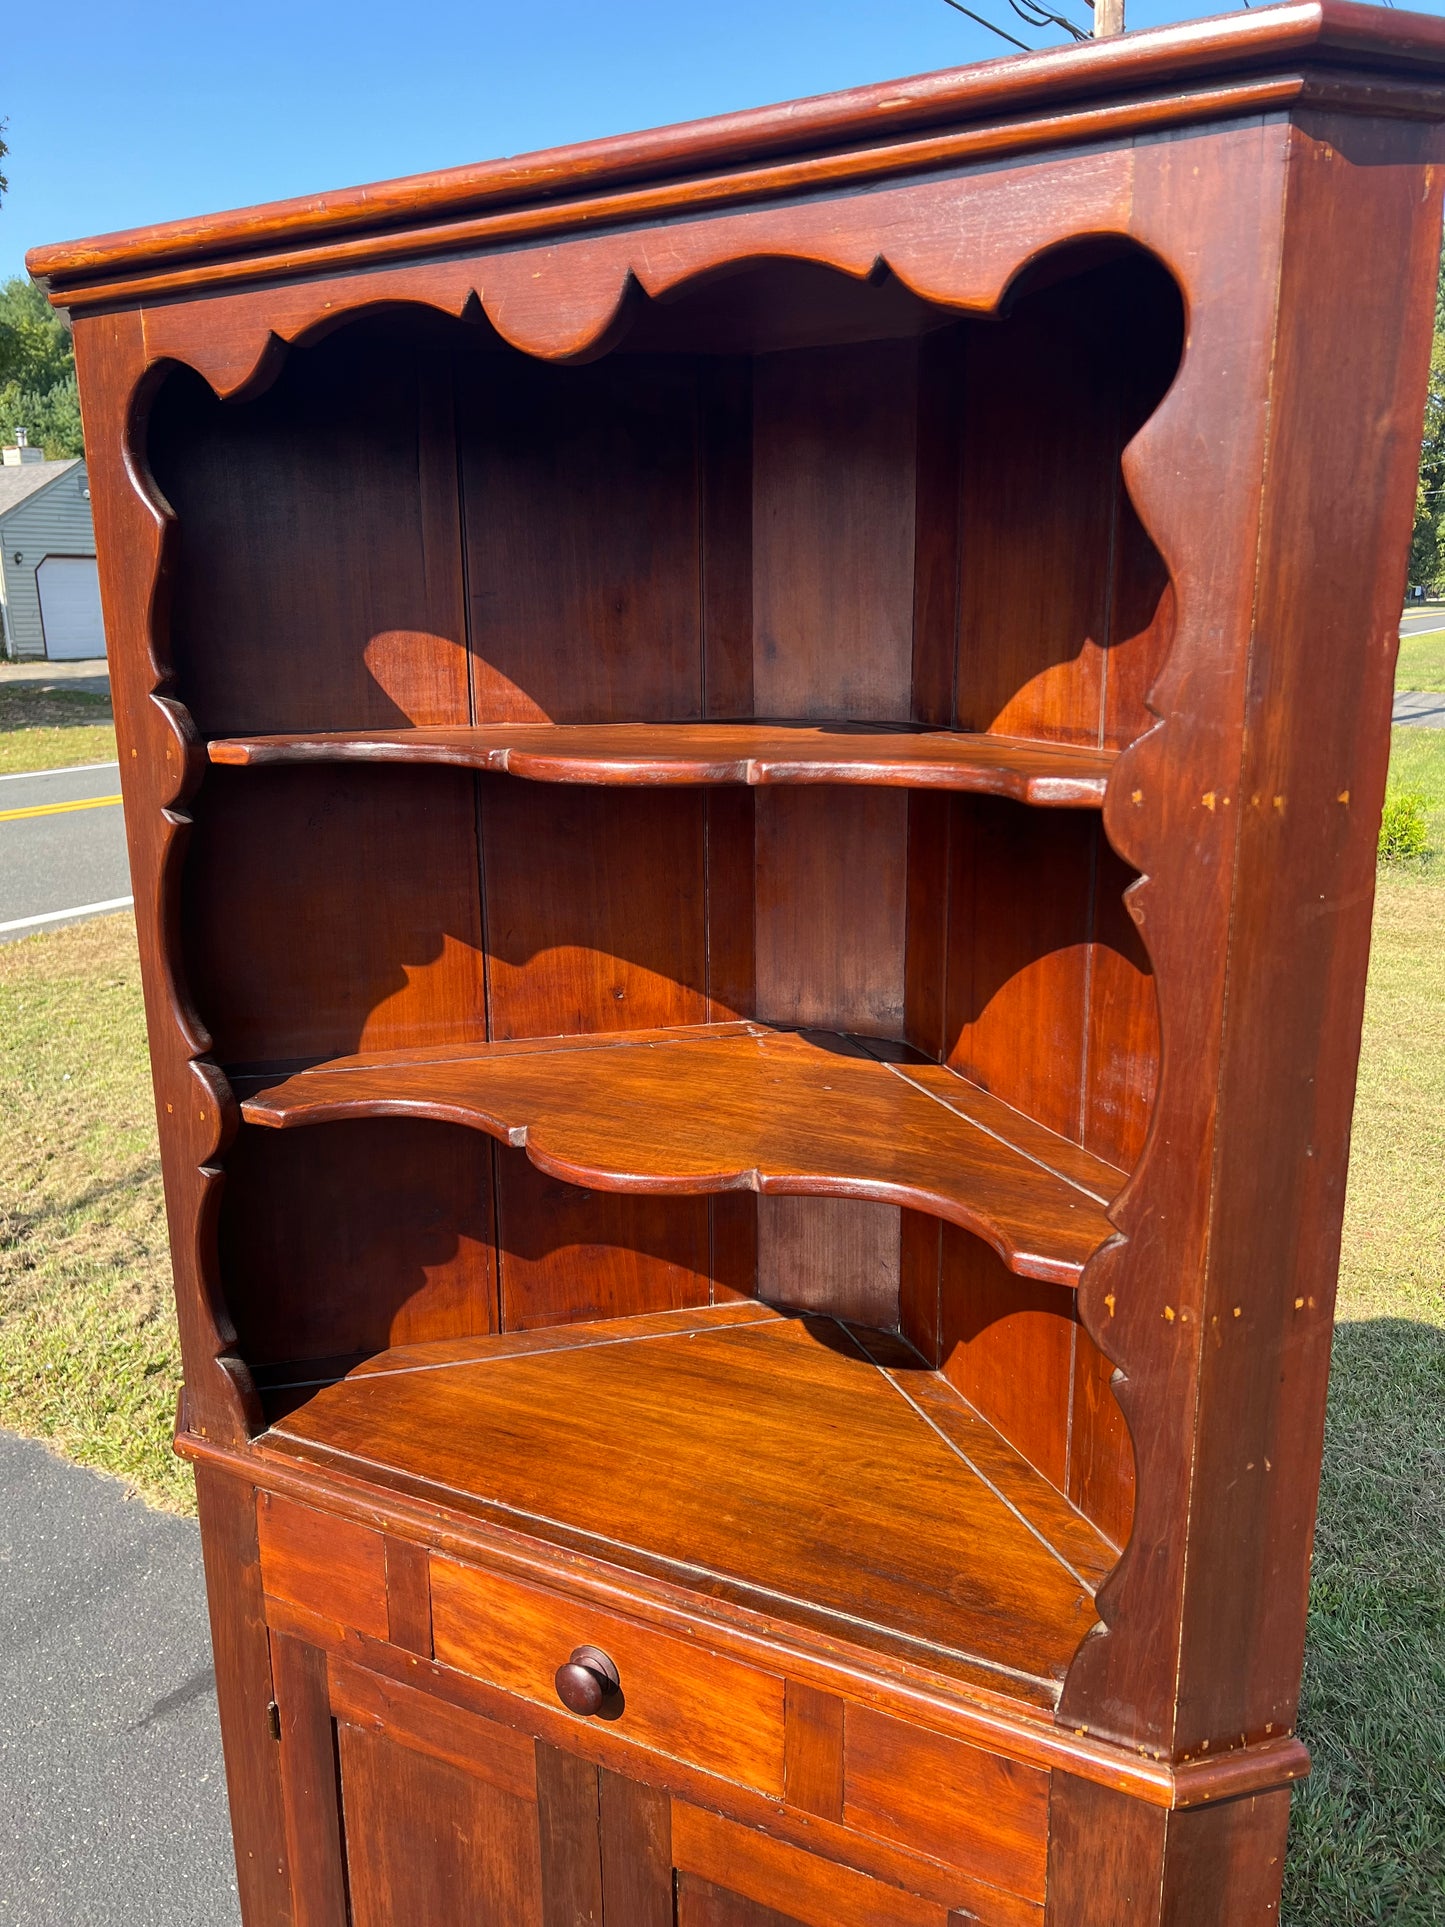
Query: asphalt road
[[111, 1785], [62, 847]]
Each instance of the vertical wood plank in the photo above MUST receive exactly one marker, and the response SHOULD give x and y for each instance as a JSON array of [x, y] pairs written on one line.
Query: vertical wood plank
[[279, 616], [831, 908], [379, 1232], [568, 1828], [567, 1253], [408, 1596], [920, 1284], [834, 454], [636, 1829], [244, 1691], [725, 404], [261, 938], [582, 517], [734, 1228], [730, 831], [834, 1255], [309, 1783], [937, 528], [1113, 1858], [1101, 1452], [1020, 894], [813, 1751]]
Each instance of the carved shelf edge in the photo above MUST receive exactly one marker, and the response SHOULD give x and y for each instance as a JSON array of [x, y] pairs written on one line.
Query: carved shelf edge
[[753, 753], [739, 1107]]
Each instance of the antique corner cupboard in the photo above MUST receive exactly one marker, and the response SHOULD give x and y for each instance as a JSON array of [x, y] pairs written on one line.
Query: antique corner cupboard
[[752, 757]]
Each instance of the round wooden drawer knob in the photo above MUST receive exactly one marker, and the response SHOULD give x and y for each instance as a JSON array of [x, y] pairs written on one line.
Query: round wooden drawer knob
[[586, 1681]]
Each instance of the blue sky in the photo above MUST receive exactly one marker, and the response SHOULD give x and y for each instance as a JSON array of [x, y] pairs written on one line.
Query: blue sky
[[122, 113]]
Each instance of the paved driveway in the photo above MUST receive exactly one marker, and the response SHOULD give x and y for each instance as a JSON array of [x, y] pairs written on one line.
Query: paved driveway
[[111, 1786], [62, 848]]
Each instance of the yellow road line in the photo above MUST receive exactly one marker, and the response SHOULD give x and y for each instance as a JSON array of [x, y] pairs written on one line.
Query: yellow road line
[[57, 809]]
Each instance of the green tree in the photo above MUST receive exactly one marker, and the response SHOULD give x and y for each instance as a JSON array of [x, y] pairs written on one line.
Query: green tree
[[1427, 543], [37, 372]]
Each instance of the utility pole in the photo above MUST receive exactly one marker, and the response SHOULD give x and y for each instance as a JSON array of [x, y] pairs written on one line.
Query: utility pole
[[1108, 17]]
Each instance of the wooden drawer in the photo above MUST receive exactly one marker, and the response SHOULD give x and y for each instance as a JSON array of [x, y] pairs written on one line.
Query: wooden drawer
[[677, 1698]]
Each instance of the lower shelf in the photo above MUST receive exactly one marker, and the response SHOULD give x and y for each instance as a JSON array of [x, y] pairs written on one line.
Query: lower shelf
[[740, 1106], [811, 1471]]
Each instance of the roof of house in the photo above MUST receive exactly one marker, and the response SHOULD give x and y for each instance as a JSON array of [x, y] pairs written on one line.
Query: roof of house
[[28, 478]]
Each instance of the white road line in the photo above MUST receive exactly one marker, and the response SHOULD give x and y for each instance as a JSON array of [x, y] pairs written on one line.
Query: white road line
[[71, 769], [58, 916]]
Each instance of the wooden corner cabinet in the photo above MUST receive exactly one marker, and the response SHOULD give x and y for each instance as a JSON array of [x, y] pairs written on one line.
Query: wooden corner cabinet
[[752, 757]]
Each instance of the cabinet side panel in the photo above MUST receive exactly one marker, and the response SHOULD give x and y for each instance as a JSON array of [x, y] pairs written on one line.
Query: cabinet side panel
[[244, 1692], [582, 511], [317, 579], [1350, 368], [356, 1237], [334, 909]]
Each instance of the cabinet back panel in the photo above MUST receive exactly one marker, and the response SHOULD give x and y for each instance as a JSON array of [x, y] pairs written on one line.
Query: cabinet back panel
[[834, 453], [834, 458], [356, 1237], [568, 1254], [596, 907], [582, 508], [317, 558], [332, 909]]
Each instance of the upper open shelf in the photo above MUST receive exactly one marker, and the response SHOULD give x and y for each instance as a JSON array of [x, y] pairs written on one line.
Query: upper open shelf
[[753, 753], [737, 1107]]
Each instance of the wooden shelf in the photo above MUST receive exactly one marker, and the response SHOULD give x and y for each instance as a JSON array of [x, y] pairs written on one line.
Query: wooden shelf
[[686, 753], [813, 1471], [740, 1107]]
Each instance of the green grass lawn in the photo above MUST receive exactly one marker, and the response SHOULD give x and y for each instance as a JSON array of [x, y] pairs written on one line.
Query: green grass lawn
[[50, 727], [88, 1353], [1422, 661]]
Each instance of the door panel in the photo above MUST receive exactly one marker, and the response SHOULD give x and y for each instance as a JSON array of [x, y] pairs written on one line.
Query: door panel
[[699, 1904], [430, 1843]]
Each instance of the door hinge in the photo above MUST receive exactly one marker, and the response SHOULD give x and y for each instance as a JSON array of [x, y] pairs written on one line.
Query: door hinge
[[273, 1719]]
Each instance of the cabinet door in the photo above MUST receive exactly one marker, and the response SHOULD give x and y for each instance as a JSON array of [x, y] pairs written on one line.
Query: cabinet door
[[427, 1841], [401, 1808]]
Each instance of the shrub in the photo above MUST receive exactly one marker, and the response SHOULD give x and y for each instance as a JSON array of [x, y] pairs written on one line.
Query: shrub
[[1402, 827]]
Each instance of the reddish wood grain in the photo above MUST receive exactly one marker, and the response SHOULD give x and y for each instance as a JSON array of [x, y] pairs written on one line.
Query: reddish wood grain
[[309, 1786], [770, 1455], [741, 1108], [435, 1840], [813, 1751], [245, 1690], [817, 1893], [1041, 773], [636, 1828], [950, 1801]]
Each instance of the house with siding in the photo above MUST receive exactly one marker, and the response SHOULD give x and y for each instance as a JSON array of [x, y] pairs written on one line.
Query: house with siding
[[49, 594]]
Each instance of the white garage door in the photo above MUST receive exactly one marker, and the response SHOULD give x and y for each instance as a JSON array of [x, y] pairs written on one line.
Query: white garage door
[[70, 607]]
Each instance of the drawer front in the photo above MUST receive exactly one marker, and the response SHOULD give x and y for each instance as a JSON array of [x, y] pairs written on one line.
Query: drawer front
[[677, 1698]]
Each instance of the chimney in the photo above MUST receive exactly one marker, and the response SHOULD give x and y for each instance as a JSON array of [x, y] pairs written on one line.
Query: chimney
[[21, 452]]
